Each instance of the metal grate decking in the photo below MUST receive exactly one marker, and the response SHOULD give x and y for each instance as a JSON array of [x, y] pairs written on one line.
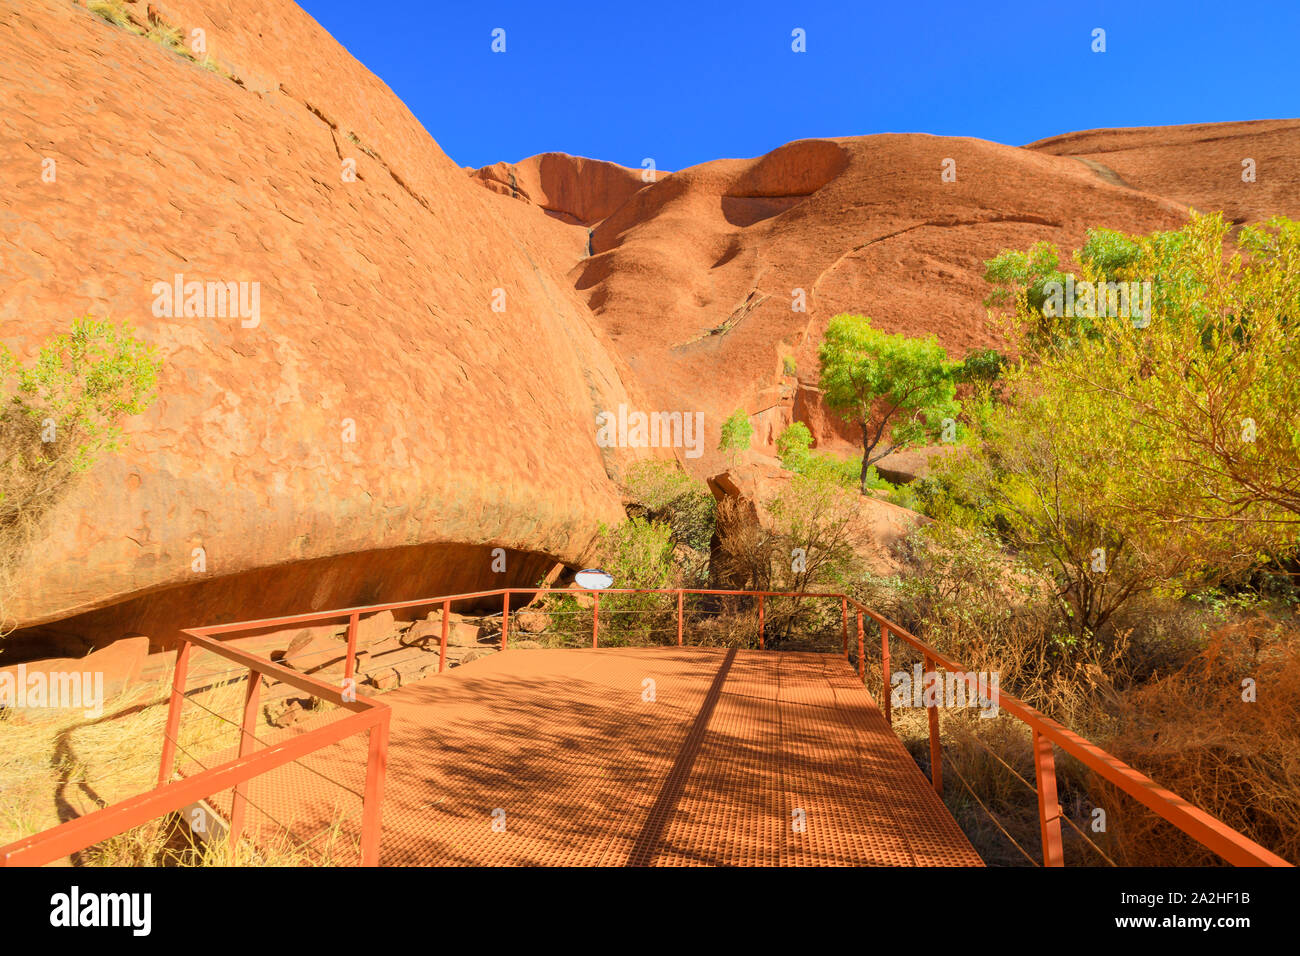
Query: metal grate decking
[[582, 768]]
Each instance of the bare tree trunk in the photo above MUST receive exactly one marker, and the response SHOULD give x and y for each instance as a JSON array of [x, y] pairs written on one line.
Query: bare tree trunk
[[866, 452]]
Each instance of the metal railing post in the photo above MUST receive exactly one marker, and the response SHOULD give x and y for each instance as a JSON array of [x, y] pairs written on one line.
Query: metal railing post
[[762, 644], [595, 619], [505, 619], [844, 613], [680, 595], [239, 799], [862, 658], [932, 711], [372, 804], [172, 731], [884, 674], [446, 626], [350, 667], [1049, 810]]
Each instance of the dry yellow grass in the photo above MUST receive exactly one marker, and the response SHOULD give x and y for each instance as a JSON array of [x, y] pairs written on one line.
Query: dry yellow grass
[[1165, 697], [57, 765]]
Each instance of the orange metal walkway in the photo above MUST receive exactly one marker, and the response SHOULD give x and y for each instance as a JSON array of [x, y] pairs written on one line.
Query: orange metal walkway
[[581, 768]]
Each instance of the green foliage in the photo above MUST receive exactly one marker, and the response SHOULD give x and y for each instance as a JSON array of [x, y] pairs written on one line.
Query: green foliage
[[662, 492], [736, 435], [983, 366], [1110, 254], [1203, 402], [1016, 273], [60, 414], [639, 554], [883, 382], [1042, 479], [788, 365], [1032, 280], [794, 447], [1172, 448], [63, 411], [905, 496]]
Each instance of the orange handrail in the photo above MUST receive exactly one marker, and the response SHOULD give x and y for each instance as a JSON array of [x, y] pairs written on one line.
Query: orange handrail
[[371, 715], [172, 795]]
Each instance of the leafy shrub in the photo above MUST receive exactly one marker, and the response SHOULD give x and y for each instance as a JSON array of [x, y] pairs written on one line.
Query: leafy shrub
[[62, 412], [982, 366], [737, 432], [794, 447], [661, 491]]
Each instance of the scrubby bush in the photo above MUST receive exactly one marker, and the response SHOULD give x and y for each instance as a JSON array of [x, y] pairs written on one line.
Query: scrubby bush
[[811, 540], [638, 554], [1109, 537], [661, 491], [794, 447], [62, 412]]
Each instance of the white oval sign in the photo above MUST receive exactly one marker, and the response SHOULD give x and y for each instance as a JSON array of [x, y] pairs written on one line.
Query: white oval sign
[[593, 578]]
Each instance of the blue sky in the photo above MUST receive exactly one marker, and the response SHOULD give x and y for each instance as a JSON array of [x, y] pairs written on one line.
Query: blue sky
[[689, 82]]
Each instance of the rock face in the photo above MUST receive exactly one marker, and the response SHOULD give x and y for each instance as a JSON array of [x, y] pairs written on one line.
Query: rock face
[[1199, 166], [878, 526], [570, 188], [418, 383], [109, 672], [374, 402], [708, 280]]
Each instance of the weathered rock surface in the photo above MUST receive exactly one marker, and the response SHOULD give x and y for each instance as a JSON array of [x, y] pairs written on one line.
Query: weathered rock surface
[[708, 279], [570, 188], [531, 621], [361, 441], [460, 631], [375, 313], [910, 464], [118, 666]]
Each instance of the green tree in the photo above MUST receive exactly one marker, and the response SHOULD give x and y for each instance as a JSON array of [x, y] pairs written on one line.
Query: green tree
[[1211, 382], [885, 382], [736, 435], [1152, 455]]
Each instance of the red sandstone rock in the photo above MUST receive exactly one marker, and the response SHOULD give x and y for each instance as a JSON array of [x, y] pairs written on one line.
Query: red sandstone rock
[[375, 309], [531, 621], [570, 188], [119, 664], [313, 653], [460, 632], [376, 304]]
